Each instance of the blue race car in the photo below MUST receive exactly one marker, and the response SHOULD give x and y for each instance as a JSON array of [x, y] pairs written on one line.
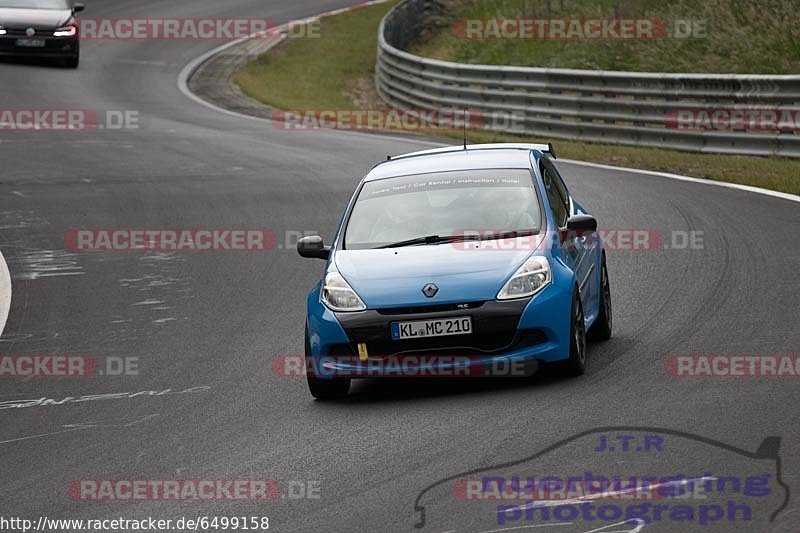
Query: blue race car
[[452, 260]]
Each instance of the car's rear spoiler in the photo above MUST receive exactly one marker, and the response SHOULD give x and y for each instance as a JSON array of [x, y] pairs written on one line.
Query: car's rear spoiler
[[546, 148]]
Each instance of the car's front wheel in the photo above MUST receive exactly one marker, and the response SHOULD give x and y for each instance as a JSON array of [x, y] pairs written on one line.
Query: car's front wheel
[[575, 364], [325, 389], [601, 329]]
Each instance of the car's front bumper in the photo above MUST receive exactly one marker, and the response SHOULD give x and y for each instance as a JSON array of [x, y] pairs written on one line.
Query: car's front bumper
[[510, 336]]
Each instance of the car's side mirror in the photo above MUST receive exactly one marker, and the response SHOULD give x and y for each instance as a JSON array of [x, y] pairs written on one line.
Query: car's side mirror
[[78, 7], [578, 226], [313, 247], [582, 223]]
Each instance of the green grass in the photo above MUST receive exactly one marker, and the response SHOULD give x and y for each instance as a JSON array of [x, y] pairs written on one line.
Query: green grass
[[332, 72], [740, 36], [336, 72]]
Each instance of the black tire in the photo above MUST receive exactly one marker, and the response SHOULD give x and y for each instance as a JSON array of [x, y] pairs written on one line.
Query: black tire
[[325, 389], [75, 60], [575, 365], [601, 329], [72, 62]]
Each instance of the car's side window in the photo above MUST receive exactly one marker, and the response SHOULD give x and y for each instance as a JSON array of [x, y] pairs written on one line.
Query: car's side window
[[559, 183], [560, 210]]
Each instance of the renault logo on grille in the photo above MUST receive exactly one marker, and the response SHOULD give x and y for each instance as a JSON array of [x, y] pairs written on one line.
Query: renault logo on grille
[[430, 290], [30, 32]]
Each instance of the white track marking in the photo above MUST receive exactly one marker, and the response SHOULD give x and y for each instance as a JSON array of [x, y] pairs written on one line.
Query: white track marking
[[527, 527], [5, 292], [76, 428], [747, 188], [639, 526], [80, 426]]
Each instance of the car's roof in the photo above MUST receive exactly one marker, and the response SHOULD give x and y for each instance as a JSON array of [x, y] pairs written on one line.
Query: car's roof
[[452, 158]]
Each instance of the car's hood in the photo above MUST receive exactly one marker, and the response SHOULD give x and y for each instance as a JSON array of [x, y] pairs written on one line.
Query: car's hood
[[395, 277], [38, 19]]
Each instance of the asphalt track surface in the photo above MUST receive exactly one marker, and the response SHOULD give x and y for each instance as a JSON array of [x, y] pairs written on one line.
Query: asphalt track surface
[[222, 317]]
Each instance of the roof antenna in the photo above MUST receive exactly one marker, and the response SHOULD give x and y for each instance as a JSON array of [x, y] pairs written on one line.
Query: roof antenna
[[465, 128]]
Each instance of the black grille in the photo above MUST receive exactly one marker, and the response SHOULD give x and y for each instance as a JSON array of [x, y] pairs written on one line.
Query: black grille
[[341, 350], [429, 309], [22, 32], [530, 337], [494, 326]]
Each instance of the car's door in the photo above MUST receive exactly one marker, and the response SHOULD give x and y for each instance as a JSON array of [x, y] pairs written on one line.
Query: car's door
[[575, 247]]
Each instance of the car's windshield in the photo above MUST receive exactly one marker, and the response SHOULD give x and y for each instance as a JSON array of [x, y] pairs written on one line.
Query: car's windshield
[[34, 4], [443, 204]]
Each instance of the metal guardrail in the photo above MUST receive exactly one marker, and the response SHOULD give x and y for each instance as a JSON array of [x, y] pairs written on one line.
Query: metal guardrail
[[631, 108]]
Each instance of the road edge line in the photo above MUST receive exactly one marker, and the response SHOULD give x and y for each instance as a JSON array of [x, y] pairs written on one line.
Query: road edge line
[[190, 68], [5, 292], [690, 179]]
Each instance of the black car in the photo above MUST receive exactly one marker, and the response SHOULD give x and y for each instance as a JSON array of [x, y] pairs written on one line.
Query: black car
[[40, 28]]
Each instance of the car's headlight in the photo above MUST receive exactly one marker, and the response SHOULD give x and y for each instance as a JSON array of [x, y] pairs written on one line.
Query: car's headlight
[[529, 279], [339, 296], [66, 31], [2, 31]]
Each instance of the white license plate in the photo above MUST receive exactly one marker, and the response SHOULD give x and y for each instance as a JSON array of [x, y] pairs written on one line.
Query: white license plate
[[437, 327], [31, 43]]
